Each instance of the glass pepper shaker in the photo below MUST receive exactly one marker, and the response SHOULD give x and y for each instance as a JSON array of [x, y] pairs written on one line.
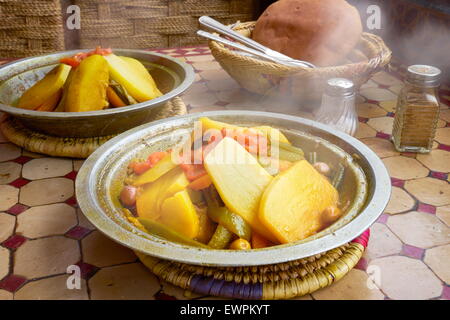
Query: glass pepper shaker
[[338, 106], [417, 111]]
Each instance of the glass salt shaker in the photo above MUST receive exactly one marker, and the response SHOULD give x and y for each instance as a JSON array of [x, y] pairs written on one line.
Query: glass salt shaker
[[338, 106], [417, 111]]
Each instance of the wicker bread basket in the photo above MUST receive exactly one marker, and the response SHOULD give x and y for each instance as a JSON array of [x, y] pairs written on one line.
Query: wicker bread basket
[[272, 79]]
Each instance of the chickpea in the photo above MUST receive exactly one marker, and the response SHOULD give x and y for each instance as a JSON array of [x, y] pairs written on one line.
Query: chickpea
[[322, 167], [128, 196], [240, 244]]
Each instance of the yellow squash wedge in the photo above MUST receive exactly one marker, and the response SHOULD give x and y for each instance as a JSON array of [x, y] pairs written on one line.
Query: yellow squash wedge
[[45, 88], [139, 84], [139, 68], [150, 199], [240, 181], [208, 124], [62, 102], [178, 213], [87, 89], [161, 167], [272, 133], [51, 103], [292, 205]]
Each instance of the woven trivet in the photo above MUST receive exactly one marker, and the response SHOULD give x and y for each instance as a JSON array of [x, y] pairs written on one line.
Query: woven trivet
[[54, 146], [278, 281]]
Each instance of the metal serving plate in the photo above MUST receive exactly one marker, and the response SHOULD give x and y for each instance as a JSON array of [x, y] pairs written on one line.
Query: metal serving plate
[[171, 75], [366, 185]]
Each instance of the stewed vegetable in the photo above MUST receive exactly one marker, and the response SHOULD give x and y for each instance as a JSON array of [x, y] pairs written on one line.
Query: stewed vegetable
[[91, 81], [234, 188]]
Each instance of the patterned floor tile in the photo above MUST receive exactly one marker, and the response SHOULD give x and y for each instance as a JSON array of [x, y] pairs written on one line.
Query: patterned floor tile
[[389, 105], [214, 89], [385, 78], [370, 110], [377, 94], [8, 197], [46, 191], [383, 124], [8, 151], [369, 84], [382, 147], [46, 256], [214, 75], [437, 259], [443, 213], [54, 288], [12, 282], [445, 115], [441, 123], [396, 89], [201, 58], [430, 191], [46, 168], [77, 164], [419, 229], [4, 262], [206, 65], [9, 171], [443, 135], [356, 285], [83, 221], [405, 168], [365, 131], [436, 160], [47, 220], [5, 295], [406, 278], [101, 251], [223, 84], [399, 202], [382, 242], [7, 223], [129, 281]]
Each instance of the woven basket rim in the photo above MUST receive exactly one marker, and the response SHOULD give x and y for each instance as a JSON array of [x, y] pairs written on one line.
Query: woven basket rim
[[380, 59]]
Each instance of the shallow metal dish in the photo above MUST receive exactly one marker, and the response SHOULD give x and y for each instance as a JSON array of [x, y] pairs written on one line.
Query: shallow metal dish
[[366, 184], [172, 77]]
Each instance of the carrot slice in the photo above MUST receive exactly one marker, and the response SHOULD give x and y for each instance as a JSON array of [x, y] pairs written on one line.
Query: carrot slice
[[201, 183], [155, 157], [193, 171], [258, 241], [139, 167]]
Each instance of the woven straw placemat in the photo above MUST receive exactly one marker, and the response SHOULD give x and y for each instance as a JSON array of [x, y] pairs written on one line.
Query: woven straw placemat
[[279, 281], [54, 146]]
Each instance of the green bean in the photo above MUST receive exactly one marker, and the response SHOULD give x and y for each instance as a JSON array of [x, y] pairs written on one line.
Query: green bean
[[291, 148], [221, 238], [161, 230], [338, 176], [232, 221], [283, 154]]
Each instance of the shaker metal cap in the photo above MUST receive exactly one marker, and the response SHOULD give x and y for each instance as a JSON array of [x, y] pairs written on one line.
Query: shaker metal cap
[[423, 75], [340, 87]]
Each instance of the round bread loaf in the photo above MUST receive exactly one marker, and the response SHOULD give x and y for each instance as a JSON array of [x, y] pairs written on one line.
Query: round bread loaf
[[322, 32]]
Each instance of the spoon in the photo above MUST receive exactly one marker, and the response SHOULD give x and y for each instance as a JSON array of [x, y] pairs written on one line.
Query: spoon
[[246, 49], [279, 57]]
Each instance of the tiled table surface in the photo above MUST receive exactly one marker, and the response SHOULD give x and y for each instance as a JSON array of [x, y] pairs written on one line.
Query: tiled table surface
[[42, 231]]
